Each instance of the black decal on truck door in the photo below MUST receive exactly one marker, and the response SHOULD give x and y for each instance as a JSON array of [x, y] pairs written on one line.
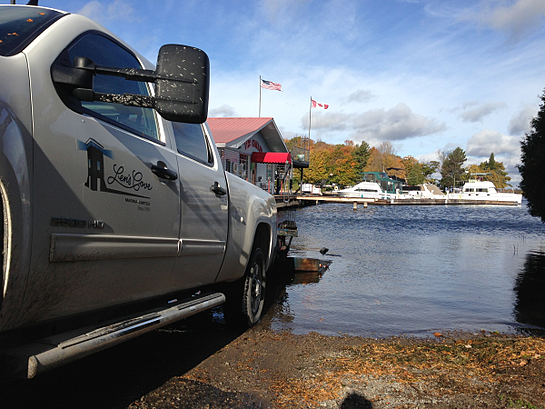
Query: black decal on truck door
[[95, 172]]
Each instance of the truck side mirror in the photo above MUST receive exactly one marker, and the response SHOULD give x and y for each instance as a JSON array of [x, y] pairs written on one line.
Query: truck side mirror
[[182, 82]]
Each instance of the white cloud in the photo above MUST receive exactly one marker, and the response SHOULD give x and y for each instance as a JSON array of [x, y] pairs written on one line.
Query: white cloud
[[397, 123], [516, 20], [480, 111], [520, 122], [428, 157], [360, 95], [222, 111], [118, 10], [376, 125], [275, 9], [484, 143]]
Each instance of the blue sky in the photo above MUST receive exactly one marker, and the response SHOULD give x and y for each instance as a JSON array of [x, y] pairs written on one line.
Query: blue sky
[[425, 75]]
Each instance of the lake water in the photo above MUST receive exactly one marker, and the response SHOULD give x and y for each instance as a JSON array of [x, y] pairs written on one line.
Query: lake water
[[414, 270]]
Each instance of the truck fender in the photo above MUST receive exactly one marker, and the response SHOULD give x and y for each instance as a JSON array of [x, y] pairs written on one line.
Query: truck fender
[[252, 222], [16, 215]]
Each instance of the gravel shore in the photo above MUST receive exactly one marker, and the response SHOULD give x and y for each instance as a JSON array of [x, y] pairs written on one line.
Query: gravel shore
[[204, 364], [267, 369]]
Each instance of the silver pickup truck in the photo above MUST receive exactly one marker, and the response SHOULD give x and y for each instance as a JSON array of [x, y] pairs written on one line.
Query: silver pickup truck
[[117, 216]]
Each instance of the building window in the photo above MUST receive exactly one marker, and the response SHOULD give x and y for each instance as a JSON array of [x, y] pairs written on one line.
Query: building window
[[243, 167]]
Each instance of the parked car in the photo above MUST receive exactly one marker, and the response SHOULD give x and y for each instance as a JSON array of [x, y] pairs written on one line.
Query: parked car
[[117, 215]]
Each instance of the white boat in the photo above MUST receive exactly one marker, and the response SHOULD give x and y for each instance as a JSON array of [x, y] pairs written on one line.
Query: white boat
[[423, 191], [364, 190], [484, 190]]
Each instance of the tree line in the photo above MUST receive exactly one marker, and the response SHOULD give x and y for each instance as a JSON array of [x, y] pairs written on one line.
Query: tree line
[[343, 165], [533, 161]]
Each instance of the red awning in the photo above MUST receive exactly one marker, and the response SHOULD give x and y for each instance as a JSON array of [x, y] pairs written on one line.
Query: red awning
[[271, 157]]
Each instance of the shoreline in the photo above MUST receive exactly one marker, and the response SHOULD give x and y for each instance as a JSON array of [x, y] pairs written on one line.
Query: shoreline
[[202, 363], [270, 369]]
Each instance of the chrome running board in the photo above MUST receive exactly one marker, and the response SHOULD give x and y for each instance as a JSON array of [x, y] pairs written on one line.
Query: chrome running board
[[29, 360]]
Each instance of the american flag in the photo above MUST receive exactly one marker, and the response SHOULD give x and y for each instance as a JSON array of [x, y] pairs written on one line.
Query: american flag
[[318, 105], [271, 85]]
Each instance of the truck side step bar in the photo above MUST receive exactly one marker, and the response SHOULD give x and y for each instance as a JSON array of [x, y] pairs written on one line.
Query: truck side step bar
[[29, 360]]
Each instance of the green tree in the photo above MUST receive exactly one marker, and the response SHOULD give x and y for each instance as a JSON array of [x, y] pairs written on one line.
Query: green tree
[[361, 156], [491, 164], [428, 169], [533, 162], [452, 169], [415, 176]]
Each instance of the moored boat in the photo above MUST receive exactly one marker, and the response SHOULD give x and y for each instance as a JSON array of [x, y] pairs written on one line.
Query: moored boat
[[364, 190], [422, 191], [484, 190]]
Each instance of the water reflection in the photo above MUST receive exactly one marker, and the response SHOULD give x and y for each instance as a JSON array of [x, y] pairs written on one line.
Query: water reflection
[[416, 270], [283, 276], [529, 308]]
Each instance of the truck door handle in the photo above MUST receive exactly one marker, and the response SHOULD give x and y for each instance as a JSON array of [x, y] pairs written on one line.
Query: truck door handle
[[163, 172], [217, 189]]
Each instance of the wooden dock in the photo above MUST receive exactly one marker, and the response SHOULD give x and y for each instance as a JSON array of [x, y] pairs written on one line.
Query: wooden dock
[[315, 199], [287, 201], [284, 202]]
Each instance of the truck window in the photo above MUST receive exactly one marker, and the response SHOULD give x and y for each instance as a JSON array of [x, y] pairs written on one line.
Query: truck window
[[104, 51], [190, 141], [20, 25]]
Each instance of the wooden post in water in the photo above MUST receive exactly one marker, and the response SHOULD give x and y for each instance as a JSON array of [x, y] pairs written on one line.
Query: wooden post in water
[[365, 205], [355, 206]]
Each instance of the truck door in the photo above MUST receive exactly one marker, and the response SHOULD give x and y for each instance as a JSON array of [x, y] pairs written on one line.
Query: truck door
[[204, 227], [107, 211]]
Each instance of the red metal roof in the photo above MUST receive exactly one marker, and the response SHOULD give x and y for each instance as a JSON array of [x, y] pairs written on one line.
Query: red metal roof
[[226, 130], [271, 157]]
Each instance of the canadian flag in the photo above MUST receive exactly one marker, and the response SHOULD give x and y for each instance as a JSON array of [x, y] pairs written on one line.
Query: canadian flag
[[318, 105]]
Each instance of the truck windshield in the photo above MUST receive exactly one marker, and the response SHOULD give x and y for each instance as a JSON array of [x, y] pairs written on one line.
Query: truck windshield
[[19, 25]]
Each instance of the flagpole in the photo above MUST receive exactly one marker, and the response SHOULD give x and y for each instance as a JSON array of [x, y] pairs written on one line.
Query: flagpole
[[309, 119], [260, 96]]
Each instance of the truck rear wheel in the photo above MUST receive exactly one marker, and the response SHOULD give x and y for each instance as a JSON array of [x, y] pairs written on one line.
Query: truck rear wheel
[[246, 297], [253, 297]]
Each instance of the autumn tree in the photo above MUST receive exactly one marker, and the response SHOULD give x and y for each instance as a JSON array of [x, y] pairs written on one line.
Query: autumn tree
[[452, 168], [318, 170], [408, 163], [392, 164], [375, 162], [533, 161], [342, 165], [384, 159], [495, 174], [498, 175]]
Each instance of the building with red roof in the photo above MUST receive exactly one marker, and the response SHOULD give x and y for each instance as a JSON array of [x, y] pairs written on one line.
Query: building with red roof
[[253, 149]]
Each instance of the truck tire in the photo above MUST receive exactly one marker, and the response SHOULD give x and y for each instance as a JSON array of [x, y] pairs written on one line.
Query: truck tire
[[246, 298]]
